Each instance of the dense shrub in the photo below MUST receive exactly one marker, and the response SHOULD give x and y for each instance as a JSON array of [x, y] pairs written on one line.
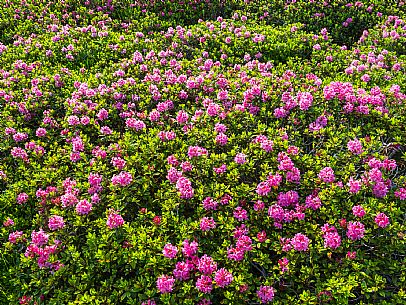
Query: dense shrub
[[202, 153]]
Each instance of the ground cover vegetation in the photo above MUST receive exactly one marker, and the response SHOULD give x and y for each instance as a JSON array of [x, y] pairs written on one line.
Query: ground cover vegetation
[[202, 152]]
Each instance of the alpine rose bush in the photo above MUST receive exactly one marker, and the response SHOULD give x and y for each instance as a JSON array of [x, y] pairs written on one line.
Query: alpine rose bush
[[202, 152]]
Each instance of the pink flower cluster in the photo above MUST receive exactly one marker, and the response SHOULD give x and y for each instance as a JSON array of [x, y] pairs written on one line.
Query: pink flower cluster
[[83, 207], [327, 175], [266, 294], [135, 124], [207, 223], [114, 220], [355, 230], [240, 158], [165, 283], [184, 187], [331, 237], [170, 251], [56, 222], [223, 278], [196, 151], [300, 242], [243, 245], [264, 142], [265, 187], [355, 146], [382, 220], [286, 164], [123, 179]]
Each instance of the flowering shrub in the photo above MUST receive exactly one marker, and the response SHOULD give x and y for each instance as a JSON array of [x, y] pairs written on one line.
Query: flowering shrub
[[202, 152]]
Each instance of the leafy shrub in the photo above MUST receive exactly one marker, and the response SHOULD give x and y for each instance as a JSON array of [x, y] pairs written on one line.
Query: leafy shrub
[[187, 158]]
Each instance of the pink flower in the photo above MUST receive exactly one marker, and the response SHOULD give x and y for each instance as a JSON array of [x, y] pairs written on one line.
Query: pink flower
[[173, 175], [170, 251], [182, 117], [382, 220], [351, 255], [206, 265], [380, 189], [102, 114], [182, 271], [332, 240], [244, 243], [305, 100], [73, 120], [401, 193], [263, 188], [355, 185], [375, 174], [358, 211], [209, 204], [196, 151], [189, 249], [220, 170], [355, 230], [313, 202], [204, 284], [235, 254], [207, 224], [221, 128], [327, 175], [165, 283], [221, 139], [276, 212], [213, 109], [283, 264], [184, 186], [83, 207], [259, 205], [240, 158], [118, 162], [39, 238], [135, 124], [267, 145], [355, 146], [261, 236], [40, 132], [8, 222], [154, 115], [68, 199], [365, 78], [14, 236], [56, 222], [223, 278], [265, 294], [300, 242], [22, 198], [240, 214], [123, 179], [114, 220], [186, 166]]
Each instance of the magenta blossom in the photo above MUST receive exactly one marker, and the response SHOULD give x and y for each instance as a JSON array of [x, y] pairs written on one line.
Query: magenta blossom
[[170, 251], [327, 175], [223, 278], [382, 220], [265, 294], [56, 222], [355, 230], [300, 242], [114, 220], [165, 283]]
